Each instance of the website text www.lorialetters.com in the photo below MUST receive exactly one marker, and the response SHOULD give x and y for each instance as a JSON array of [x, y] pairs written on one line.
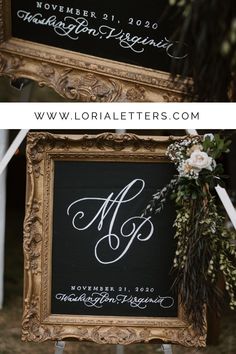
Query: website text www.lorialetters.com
[[134, 116]]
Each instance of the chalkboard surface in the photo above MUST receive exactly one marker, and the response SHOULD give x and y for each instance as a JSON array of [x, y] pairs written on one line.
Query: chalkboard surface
[[134, 32], [107, 259]]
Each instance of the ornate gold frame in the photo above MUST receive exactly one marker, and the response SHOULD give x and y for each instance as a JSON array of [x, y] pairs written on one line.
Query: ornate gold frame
[[38, 323], [80, 77]]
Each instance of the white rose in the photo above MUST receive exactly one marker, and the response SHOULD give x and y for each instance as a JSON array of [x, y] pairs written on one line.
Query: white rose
[[199, 160]]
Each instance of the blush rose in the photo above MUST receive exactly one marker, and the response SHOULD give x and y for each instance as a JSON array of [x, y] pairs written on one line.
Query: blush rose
[[199, 160]]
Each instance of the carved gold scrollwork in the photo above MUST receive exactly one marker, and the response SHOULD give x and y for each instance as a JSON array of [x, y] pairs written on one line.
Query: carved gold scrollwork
[[88, 87], [169, 97], [136, 94], [82, 78], [113, 141], [32, 236], [47, 70], [114, 335], [11, 65], [190, 338], [30, 322], [2, 63], [37, 143]]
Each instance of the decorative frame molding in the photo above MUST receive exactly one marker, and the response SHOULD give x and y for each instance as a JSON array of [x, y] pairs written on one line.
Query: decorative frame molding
[[81, 77], [38, 323]]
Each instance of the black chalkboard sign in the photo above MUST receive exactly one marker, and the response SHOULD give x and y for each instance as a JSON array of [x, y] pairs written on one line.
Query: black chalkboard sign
[[133, 32], [107, 258], [97, 269]]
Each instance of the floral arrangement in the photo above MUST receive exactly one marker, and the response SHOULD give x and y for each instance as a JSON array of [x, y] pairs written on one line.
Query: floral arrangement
[[204, 245]]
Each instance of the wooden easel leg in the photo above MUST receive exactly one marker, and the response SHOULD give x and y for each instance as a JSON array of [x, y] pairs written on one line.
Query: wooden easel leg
[[119, 349], [167, 348], [25, 86], [3, 148], [59, 347]]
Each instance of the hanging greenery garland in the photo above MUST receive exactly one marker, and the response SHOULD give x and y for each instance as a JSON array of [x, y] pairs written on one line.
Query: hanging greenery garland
[[204, 247]]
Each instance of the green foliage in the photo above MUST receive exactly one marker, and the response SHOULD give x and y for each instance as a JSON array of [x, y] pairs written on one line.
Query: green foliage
[[204, 249], [156, 204], [217, 146], [203, 243]]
